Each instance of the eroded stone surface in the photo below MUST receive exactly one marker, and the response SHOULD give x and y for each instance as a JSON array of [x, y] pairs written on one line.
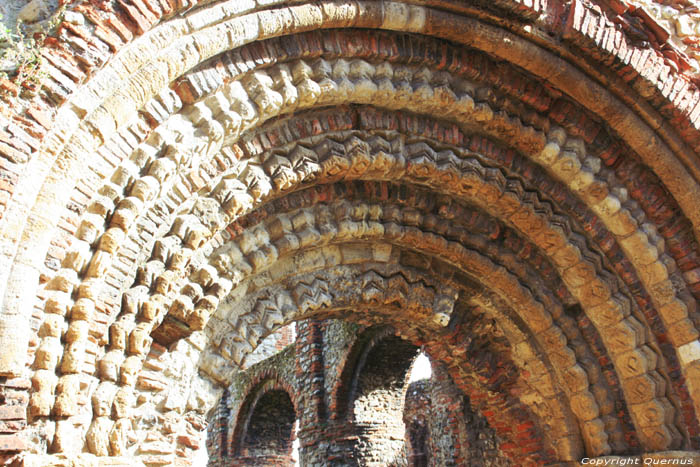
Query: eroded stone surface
[[512, 187]]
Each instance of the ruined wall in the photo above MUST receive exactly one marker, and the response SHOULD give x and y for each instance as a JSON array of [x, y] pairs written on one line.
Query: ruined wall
[[275, 372], [382, 404], [443, 429], [271, 345], [269, 434], [13, 418]]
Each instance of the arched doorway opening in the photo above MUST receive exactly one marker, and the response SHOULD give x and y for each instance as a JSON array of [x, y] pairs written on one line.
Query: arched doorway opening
[[265, 432]]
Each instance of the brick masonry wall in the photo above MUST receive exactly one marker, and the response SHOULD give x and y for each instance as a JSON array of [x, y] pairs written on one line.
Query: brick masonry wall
[[225, 434], [382, 405], [13, 407], [270, 430], [439, 416]]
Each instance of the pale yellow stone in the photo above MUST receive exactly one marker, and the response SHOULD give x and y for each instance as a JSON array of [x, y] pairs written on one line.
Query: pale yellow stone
[[567, 167], [636, 362], [584, 406], [638, 248], [682, 332]]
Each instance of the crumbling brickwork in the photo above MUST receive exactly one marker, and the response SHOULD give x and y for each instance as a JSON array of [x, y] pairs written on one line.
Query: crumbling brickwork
[[510, 185], [374, 424], [442, 428]]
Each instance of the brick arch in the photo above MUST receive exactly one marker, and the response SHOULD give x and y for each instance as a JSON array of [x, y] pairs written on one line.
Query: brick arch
[[373, 374], [271, 414], [273, 308], [263, 381], [386, 194], [130, 305], [92, 121], [381, 379], [346, 390], [246, 411]]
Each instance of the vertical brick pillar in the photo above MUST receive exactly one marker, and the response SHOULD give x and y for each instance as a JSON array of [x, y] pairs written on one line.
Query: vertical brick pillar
[[313, 437], [217, 439], [309, 369]]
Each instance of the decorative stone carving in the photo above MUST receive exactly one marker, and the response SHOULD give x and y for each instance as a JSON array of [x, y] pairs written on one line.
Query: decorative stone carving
[[102, 399], [627, 259], [119, 436], [123, 402], [97, 436], [109, 365], [129, 370]]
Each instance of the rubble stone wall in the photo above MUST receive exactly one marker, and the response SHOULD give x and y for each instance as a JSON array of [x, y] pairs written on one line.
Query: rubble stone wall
[[384, 406]]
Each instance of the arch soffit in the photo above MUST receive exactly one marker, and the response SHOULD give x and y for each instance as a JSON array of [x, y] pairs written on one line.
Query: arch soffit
[[407, 17], [253, 392]]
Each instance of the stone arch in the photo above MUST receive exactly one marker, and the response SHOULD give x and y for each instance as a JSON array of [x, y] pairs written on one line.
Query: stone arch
[[168, 155], [208, 273], [264, 430], [367, 293], [370, 286], [341, 397], [374, 376]]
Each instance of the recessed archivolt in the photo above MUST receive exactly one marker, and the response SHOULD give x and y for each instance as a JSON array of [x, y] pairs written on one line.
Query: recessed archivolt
[[267, 237], [194, 234], [564, 164], [251, 181], [404, 225], [408, 89], [374, 293], [373, 285], [155, 43], [284, 169], [182, 43], [577, 170], [341, 150]]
